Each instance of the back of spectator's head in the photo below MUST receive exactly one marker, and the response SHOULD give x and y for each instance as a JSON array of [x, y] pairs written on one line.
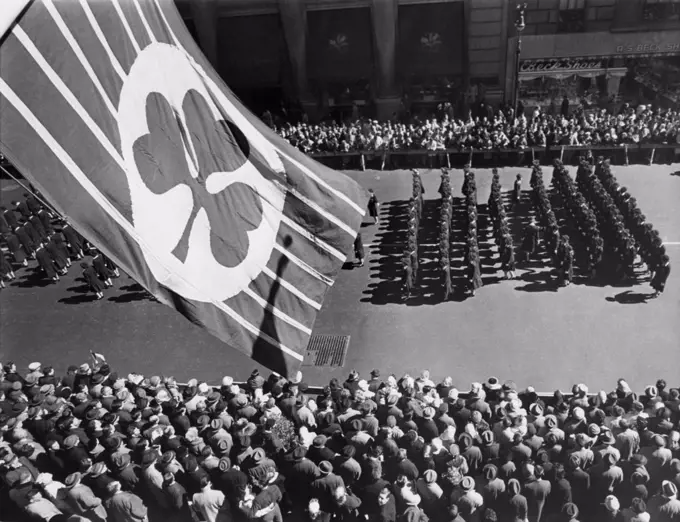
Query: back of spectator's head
[[570, 510], [490, 516]]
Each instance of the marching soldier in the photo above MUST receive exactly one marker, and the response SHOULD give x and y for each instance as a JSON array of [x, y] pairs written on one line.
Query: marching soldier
[[446, 278], [407, 280], [25, 240], [358, 250], [104, 272], [11, 217], [565, 261], [6, 271], [507, 257], [22, 209], [32, 203], [92, 280], [517, 191], [37, 225], [660, 275], [530, 240], [46, 262], [59, 255], [17, 250], [73, 240], [373, 205]]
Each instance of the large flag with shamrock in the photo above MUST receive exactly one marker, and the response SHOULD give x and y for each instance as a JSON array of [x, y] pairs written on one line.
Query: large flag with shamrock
[[110, 109]]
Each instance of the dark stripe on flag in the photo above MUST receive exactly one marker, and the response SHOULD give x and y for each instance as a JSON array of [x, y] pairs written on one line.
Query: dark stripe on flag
[[32, 81], [153, 18], [286, 301], [310, 252], [74, 16], [266, 321], [296, 276], [135, 22], [319, 226], [115, 34], [67, 128]]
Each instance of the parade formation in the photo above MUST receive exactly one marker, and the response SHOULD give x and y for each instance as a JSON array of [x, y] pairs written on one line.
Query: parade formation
[[615, 241], [28, 230]]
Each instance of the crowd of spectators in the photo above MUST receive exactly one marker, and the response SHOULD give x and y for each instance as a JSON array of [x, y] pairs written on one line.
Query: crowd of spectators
[[490, 130], [96, 445]]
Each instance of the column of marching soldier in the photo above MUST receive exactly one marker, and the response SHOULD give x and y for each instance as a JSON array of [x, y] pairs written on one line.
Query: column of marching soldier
[[594, 203], [29, 231], [501, 229], [615, 230], [415, 213], [445, 223]]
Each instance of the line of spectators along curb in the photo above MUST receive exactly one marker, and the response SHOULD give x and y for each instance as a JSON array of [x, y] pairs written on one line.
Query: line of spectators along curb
[[94, 445], [495, 131]]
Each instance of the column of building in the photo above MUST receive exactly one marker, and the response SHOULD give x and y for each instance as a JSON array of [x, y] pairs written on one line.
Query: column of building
[[384, 14]]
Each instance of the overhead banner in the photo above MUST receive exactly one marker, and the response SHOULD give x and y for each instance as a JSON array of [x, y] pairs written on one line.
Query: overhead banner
[[251, 49], [113, 113], [340, 44], [431, 39]]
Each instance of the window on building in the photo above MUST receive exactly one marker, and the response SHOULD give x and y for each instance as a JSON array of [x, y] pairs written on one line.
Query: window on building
[[572, 16], [661, 10]]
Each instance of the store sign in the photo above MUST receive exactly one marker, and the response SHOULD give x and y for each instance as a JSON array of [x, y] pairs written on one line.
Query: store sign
[[559, 65], [648, 48]]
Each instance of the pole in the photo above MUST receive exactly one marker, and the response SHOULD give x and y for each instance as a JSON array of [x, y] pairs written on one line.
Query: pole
[[29, 190], [518, 52]]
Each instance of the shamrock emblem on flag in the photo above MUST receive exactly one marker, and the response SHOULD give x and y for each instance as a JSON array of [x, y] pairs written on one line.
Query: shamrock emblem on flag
[[177, 151], [339, 43], [206, 202], [431, 41]]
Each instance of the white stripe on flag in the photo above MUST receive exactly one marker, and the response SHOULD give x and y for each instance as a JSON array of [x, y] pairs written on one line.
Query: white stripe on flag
[[277, 313], [292, 289], [113, 213], [152, 36], [304, 169], [124, 21], [102, 39], [300, 263], [311, 237], [78, 52]]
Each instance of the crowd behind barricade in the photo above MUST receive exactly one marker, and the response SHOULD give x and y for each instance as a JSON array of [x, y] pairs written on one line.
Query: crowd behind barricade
[[489, 130], [94, 445], [29, 230]]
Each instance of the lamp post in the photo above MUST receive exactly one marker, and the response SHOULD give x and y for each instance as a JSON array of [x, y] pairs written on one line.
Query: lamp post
[[519, 26]]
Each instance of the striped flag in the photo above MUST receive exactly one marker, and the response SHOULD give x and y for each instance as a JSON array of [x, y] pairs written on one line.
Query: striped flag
[[110, 109]]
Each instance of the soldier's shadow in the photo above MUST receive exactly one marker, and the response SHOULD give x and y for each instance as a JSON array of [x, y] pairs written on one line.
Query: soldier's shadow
[[629, 297], [78, 299]]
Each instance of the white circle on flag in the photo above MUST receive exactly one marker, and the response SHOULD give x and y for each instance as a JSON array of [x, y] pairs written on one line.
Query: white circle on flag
[[160, 220]]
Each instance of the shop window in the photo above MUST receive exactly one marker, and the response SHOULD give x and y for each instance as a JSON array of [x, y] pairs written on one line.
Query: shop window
[[572, 16], [661, 10]]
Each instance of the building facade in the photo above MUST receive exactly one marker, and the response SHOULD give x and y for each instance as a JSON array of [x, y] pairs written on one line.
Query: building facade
[[330, 55], [600, 51]]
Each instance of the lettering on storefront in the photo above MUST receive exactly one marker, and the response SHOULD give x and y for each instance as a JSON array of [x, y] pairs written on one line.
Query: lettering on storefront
[[649, 48], [559, 65]]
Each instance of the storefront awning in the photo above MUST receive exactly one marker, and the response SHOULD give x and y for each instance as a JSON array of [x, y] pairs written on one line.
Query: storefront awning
[[562, 74], [601, 45]]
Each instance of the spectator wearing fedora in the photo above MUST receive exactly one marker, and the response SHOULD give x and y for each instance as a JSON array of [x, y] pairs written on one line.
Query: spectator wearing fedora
[[83, 500]]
